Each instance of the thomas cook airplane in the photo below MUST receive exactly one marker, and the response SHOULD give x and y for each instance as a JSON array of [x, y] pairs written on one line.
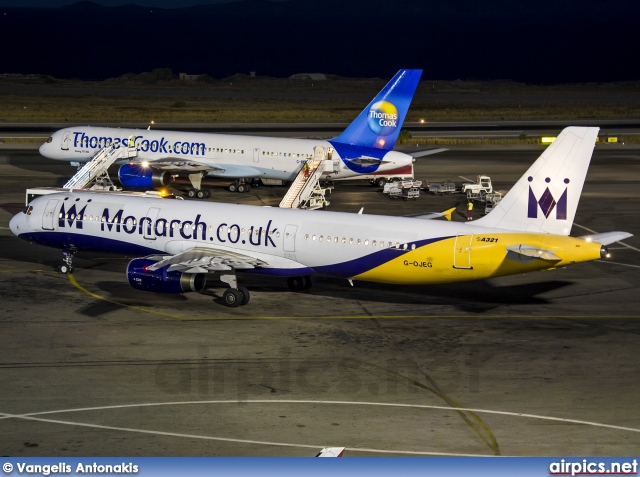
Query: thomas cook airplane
[[182, 242], [363, 150]]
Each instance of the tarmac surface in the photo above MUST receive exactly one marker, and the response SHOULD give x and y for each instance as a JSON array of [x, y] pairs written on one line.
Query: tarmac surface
[[538, 364]]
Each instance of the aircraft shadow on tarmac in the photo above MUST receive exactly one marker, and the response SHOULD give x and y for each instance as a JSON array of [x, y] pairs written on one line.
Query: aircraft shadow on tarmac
[[471, 297]]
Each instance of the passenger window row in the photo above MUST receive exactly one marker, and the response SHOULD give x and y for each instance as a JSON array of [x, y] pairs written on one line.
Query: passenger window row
[[365, 242], [287, 154]]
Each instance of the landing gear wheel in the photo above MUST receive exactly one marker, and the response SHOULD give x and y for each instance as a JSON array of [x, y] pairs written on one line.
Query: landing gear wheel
[[297, 283], [191, 193], [65, 269], [381, 182], [207, 193], [233, 187], [248, 187], [201, 194], [242, 188], [245, 295], [307, 282], [232, 297]]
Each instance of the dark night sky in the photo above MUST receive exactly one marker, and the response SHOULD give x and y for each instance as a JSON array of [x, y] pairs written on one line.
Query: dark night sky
[[529, 41], [111, 3]]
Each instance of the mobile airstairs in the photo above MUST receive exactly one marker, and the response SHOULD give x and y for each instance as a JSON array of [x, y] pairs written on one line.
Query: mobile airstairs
[[94, 171], [305, 191]]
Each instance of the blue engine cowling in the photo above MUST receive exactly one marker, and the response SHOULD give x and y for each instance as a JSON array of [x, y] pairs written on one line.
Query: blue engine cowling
[[137, 176], [161, 281]]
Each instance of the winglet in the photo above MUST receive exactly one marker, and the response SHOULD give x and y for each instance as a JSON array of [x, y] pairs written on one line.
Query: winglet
[[447, 213]]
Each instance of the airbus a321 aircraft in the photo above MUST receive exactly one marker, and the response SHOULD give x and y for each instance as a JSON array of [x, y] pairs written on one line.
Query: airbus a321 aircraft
[[363, 150], [182, 243]]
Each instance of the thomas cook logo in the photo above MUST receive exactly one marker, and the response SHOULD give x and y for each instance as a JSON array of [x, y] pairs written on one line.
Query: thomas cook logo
[[547, 202], [383, 118]]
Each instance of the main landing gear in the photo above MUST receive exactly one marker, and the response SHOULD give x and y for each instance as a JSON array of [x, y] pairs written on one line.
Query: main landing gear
[[196, 192], [66, 266], [235, 295], [240, 186], [299, 283]]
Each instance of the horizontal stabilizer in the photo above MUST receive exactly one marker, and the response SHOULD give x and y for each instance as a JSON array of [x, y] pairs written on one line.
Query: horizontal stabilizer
[[367, 161], [432, 215], [426, 152], [527, 253], [607, 238]]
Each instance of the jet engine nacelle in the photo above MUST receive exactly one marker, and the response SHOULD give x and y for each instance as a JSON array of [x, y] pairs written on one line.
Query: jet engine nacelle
[[161, 281], [140, 177]]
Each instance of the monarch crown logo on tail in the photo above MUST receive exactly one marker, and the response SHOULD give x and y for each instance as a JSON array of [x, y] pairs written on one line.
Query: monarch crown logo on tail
[[547, 202]]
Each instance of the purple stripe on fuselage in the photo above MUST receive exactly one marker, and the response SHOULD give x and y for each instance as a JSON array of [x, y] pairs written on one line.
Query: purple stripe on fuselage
[[360, 265], [88, 243]]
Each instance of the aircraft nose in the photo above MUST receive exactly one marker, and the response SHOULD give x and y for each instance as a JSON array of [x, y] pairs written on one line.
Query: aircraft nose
[[14, 224], [43, 149]]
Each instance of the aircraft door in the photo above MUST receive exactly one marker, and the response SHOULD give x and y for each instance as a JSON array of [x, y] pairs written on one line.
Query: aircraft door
[[149, 231], [65, 141], [318, 154], [47, 217], [256, 155], [462, 252], [290, 238]]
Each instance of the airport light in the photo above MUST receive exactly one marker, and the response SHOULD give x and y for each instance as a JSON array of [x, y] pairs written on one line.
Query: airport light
[[144, 164], [422, 121]]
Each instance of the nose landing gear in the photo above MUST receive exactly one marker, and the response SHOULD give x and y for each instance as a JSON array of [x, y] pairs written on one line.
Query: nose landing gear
[[66, 266]]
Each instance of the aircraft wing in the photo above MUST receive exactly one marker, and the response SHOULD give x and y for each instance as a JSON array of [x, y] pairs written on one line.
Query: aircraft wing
[[202, 260], [607, 238], [426, 152], [527, 253], [175, 164]]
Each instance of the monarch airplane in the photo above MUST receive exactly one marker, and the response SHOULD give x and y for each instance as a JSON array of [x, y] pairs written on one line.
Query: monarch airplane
[[183, 242], [363, 150]]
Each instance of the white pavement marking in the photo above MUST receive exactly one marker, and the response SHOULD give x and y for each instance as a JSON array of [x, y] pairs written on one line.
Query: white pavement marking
[[33, 417], [618, 263]]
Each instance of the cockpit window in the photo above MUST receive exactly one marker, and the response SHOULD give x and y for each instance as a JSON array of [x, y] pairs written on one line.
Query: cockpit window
[[28, 209], [50, 139]]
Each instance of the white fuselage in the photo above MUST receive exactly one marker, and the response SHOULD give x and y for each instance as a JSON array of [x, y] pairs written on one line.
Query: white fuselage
[[289, 242], [229, 156]]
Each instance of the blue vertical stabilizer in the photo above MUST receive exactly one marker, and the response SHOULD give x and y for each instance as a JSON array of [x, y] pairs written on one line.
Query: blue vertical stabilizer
[[378, 125]]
